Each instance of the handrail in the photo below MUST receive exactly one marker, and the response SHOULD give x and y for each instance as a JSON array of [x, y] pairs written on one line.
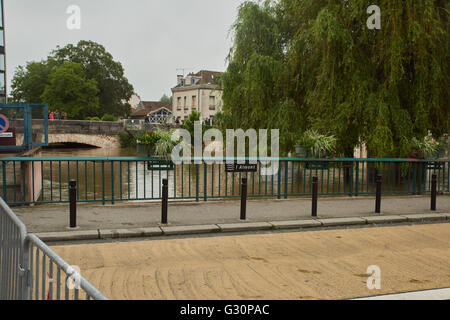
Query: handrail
[[20, 225], [90, 290], [22, 284], [28, 159]]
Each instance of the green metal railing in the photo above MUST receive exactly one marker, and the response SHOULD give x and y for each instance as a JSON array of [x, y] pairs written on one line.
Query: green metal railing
[[109, 180]]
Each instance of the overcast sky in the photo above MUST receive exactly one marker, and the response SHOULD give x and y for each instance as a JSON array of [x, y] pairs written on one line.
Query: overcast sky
[[151, 38]]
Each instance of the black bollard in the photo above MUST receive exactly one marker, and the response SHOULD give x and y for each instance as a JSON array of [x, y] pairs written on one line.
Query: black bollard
[[165, 201], [73, 203], [315, 191], [244, 199], [433, 192], [379, 183]]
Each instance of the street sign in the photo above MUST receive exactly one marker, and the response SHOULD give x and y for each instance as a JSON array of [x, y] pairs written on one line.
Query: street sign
[[4, 123], [241, 167]]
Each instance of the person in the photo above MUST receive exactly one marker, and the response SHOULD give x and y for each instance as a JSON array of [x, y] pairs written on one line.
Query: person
[[51, 116], [147, 119], [63, 115], [56, 115]]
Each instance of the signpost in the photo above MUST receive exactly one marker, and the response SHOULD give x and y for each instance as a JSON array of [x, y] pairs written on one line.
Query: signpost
[[4, 123], [236, 167]]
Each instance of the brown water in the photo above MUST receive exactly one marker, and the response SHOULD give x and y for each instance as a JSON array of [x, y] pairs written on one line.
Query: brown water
[[136, 181]]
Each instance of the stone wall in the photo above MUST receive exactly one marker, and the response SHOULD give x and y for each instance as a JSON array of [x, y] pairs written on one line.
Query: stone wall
[[72, 126]]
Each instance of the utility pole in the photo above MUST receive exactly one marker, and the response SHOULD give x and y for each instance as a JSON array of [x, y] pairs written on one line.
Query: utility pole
[[3, 91]]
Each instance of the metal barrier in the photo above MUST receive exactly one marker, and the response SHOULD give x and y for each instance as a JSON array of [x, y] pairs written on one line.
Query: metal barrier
[[46, 179], [30, 270]]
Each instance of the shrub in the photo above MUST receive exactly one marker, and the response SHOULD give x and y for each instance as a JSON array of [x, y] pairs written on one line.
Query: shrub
[[109, 117], [160, 141], [426, 147], [127, 140], [93, 119], [317, 144]]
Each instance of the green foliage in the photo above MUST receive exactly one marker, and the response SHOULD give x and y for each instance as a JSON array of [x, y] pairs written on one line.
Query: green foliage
[[30, 82], [317, 144], [69, 90], [297, 65], [93, 119], [109, 117], [159, 141], [127, 140], [189, 123], [426, 147], [165, 98]]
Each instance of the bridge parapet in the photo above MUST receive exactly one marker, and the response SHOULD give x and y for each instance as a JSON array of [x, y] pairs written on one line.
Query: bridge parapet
[[73, 127]]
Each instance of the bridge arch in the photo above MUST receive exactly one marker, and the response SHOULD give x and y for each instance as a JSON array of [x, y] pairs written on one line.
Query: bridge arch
[[99, 141]]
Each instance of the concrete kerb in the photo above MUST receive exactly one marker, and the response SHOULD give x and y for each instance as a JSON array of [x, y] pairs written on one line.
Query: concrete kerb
[[238, 227]]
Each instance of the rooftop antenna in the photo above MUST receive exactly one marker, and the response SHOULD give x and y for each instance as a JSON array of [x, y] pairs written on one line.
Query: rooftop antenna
[[184, 70]]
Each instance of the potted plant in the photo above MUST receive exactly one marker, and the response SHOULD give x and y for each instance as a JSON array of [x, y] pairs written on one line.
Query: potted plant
[[303, 146], [156, 144], [146, 144], [426, 148], [313, 144]]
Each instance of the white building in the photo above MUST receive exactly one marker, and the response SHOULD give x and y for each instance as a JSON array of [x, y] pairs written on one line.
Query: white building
[[200, 92]]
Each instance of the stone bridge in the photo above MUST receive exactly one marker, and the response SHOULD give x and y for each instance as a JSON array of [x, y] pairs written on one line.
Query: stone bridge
[[93, 133]]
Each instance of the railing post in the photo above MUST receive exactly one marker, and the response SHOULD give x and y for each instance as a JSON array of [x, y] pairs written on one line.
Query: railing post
[[379, 182], [165, 201], [73, 203], [112, 182], [25, 270], [244, 199], [433, 192], [205, 181], [103, 182], [415, 179], [5, 190], [196, 182], [315, 191], [278, 183], [286, 174], [351, 179], [357, 180]]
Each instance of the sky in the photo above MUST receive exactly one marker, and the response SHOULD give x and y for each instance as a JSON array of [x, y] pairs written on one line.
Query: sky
[[151, 38]]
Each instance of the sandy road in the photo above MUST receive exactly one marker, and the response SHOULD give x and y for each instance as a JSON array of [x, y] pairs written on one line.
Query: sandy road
[[309, 265]]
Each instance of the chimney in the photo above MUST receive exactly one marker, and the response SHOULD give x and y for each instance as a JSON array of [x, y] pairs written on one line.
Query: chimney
[[188, 80], [179, 79]]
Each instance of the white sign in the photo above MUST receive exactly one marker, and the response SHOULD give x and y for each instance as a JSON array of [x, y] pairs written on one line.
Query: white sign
[[6, 135]]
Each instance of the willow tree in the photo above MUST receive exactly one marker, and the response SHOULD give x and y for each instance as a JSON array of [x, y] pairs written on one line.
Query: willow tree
[[325, 69]]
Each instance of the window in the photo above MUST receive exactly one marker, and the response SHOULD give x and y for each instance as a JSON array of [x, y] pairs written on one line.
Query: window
[[212, 103], [179, 103], [194, 101], [185, 103], [2, 62], [2, 84]]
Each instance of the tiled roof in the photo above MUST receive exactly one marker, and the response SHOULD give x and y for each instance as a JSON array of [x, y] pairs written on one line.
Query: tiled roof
[[205, 78], [208, 77], [150, 106]]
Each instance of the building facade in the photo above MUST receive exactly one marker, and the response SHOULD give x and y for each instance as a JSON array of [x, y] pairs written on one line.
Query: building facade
[[155, 111], [200, 92], [3, 94]]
